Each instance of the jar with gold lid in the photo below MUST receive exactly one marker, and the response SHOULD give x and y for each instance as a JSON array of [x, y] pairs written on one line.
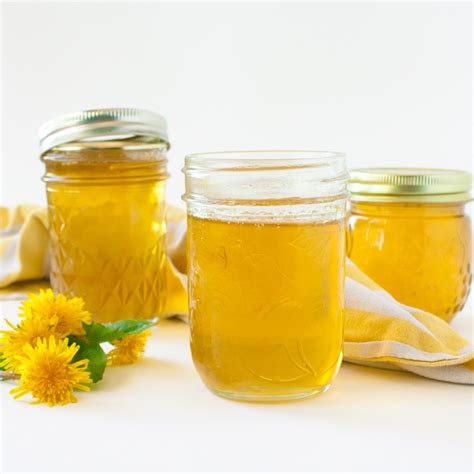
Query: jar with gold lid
[[409, 231], [105, 180]]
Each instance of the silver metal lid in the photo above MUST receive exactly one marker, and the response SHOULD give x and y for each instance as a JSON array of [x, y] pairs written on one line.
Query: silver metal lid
[[103, 125]]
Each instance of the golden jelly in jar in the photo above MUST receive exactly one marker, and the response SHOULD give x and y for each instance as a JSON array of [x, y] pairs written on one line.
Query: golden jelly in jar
[[408, 230], [266, 271], [105, 179]]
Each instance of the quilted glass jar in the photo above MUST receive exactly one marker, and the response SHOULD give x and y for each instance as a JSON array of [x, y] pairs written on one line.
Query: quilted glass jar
[[409, 231], [105, 180], [266, 271]]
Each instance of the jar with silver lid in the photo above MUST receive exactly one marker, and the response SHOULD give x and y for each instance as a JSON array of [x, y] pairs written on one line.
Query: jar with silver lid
[[105, 181]]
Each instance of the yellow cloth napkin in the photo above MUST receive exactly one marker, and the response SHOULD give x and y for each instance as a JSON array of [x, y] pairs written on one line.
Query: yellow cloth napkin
[[379, 331], [23, 244]]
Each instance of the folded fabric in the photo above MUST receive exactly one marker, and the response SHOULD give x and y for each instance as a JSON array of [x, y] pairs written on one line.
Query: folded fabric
[[23, 244], [379, 331]]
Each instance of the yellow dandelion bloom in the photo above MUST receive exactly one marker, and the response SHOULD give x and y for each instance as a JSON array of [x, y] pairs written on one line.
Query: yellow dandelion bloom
[[12, 342], [48, 374], [128, 349], [64, 315]]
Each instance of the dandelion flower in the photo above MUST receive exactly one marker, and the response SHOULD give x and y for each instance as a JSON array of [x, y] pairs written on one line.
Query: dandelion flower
[[12, 342], [64, 315], [48, 374], [128, 349]]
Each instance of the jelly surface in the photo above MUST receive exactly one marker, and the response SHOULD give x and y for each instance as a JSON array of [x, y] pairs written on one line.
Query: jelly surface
[[107, 235], [419, 253], [266, 303]]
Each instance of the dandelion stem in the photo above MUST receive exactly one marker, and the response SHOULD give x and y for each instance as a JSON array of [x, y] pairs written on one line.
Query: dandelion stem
[[8, 376]]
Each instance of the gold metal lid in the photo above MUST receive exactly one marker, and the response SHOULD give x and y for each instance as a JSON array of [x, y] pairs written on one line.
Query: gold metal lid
[[101, 125], [409, 185]]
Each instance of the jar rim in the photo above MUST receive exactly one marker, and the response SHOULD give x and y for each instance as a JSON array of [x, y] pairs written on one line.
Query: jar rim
[[264, 178], [262, 159]]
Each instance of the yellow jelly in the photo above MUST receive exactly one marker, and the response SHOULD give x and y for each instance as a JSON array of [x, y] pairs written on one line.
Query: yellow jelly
[[266, 304]]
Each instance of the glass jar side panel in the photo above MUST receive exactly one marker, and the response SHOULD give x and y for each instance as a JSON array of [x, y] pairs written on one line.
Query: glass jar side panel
[[419, 253], [108, 246], [266, 302]]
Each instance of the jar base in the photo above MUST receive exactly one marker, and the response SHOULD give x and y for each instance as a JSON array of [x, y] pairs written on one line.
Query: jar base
[[257, 398]]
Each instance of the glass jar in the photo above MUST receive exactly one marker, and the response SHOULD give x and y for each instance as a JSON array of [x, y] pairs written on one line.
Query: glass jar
[[105, 180], [266, 271], [408, 230]]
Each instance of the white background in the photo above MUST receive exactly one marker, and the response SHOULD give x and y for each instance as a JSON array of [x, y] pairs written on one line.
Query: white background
[[387, 83]]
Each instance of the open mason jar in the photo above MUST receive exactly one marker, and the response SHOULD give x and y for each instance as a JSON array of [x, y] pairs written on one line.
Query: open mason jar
[[409, 231], [266, 271], [105, 180]]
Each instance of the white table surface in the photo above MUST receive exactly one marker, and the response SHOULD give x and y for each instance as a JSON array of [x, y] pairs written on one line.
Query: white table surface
[[157, 415]]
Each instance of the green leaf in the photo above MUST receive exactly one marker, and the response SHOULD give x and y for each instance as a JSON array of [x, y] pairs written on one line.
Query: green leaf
[[94, 353], [96, 332], [89, 345]]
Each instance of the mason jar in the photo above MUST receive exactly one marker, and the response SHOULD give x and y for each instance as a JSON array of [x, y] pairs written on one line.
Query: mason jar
[[266, 271], [105, 181], [409, 231]]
